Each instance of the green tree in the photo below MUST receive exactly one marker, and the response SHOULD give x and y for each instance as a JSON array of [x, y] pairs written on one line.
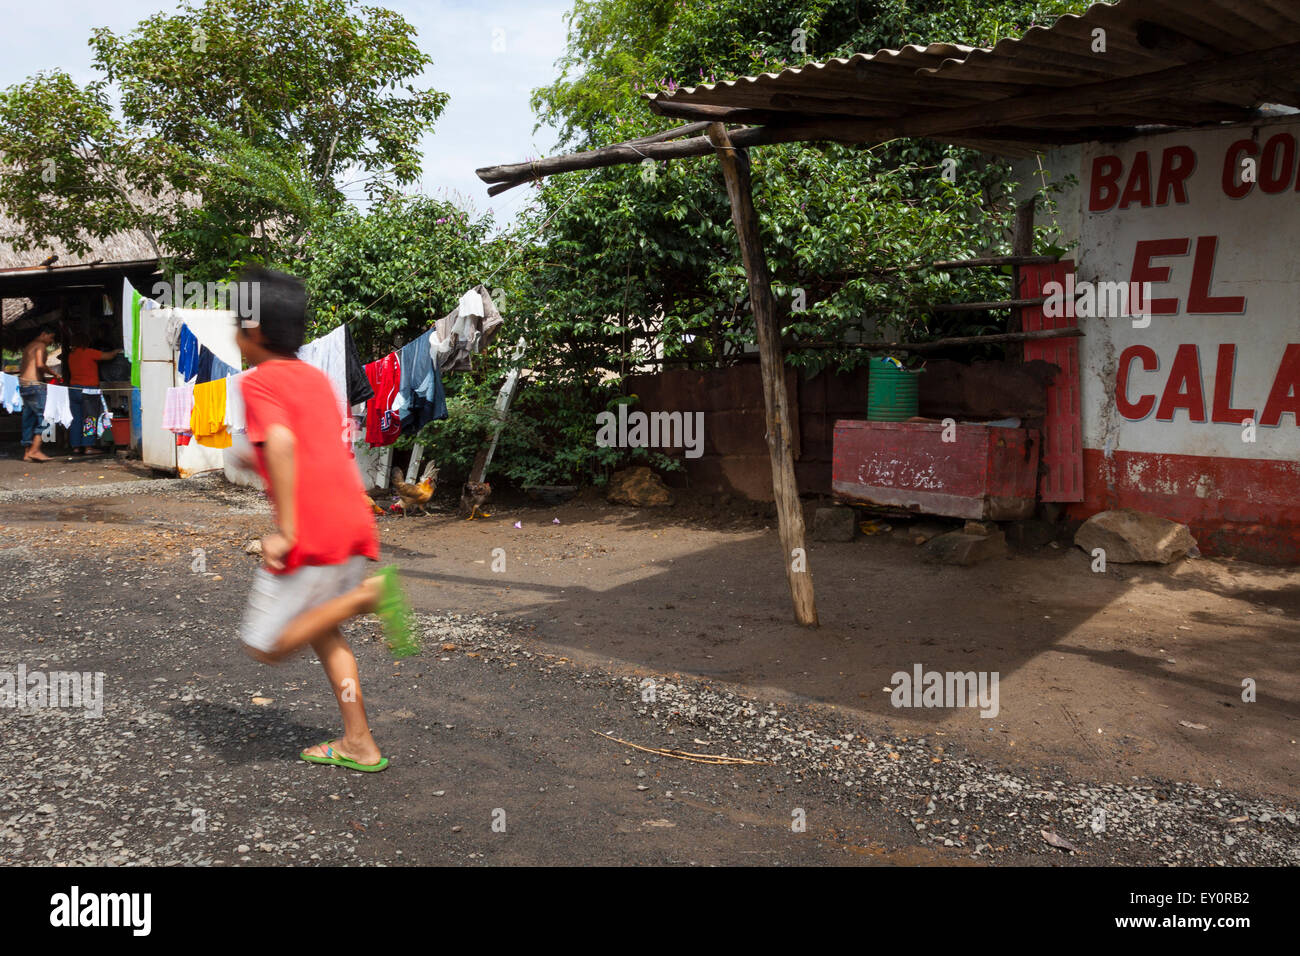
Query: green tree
[[643, 260], [236, 120], [393, 270]]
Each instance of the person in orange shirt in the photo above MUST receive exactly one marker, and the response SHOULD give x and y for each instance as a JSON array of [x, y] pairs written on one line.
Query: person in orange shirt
[[83, 372]]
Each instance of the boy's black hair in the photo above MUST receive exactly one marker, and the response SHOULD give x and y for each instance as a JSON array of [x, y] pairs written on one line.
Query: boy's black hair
[[282, 308]]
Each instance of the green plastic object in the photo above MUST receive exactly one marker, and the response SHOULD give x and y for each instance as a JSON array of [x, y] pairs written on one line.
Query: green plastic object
[[394, 613], [891, 391]]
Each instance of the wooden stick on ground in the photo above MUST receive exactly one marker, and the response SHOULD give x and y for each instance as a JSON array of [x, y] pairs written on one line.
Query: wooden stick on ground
[[684, 754]]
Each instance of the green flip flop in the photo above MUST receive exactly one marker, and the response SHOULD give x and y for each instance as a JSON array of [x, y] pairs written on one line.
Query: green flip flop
[[394, 612], [338, 760]]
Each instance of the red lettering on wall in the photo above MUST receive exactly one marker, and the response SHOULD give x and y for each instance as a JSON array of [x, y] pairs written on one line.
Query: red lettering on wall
[[1144, 271], [1142, 407], [1183, 390], [1105, 183], [1275, 177], [1285, 395], [1199, 300], [1223, 413], [1173, 176], [1138, 188]]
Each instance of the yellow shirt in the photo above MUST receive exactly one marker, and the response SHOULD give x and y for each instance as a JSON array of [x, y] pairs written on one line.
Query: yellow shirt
[[208, 420]]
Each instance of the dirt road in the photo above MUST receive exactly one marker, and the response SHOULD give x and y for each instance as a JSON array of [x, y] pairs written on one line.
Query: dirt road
[[1121, 727]]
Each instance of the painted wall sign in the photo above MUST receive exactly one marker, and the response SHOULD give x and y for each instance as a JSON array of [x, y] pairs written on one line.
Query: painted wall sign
[[1195, 413]]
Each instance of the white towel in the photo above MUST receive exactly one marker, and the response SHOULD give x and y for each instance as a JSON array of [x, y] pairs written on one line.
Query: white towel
[[235, 403], [57, 408], [471, 304], [10, 400], [328, 353]]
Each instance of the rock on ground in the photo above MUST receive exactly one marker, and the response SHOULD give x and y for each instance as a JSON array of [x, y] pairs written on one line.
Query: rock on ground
[[962, 549], [1128, 536], [639, 487]]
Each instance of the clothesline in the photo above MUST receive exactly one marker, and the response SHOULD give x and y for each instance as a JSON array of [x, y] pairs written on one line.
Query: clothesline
[[400, 392]]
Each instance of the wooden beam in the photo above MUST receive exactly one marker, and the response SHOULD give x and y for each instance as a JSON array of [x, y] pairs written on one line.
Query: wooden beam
[[981, 306], [780, 426], [514, 174], [690, 129], [1022, 244], [997, 338]]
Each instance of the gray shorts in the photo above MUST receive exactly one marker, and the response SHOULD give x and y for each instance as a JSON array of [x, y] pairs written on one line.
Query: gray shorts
[[276, 599]]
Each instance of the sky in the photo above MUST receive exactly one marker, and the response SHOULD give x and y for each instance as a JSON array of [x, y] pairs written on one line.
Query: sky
[[488, 55]]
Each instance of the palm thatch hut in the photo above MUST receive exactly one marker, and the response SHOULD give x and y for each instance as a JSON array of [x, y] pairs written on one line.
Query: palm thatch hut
[[53, 285]]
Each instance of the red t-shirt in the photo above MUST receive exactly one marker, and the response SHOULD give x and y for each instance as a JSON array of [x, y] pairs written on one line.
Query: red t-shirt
[[382, 425], [333, 520], [83, 367]]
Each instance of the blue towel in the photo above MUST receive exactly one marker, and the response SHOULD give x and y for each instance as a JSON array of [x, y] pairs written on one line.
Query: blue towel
[[188, 363], [421, 385], [221, 370]]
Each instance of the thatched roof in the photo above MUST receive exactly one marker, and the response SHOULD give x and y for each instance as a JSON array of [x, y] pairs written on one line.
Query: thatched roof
[[123, 247]]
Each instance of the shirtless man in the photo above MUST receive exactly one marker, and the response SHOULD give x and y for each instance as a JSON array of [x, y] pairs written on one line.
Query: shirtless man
[[32, 377]]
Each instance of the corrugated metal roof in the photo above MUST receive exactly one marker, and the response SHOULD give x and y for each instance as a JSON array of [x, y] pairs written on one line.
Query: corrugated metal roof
[[1141, 37]]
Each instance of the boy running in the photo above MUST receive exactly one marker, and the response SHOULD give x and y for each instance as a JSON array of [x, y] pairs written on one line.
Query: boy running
[[315, 562]]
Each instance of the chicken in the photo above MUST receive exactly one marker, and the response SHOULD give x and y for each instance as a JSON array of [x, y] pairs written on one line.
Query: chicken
[[417, 495], [473, 497], [374, 507]]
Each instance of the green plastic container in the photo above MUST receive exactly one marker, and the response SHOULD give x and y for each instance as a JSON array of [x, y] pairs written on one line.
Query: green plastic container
[[891, 392]]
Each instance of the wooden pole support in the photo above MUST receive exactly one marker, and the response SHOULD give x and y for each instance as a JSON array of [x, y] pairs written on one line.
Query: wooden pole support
[[789, 510], [1022, 245]]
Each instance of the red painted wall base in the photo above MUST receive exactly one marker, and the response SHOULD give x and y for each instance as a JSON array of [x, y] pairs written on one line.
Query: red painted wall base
[[1236, 507]]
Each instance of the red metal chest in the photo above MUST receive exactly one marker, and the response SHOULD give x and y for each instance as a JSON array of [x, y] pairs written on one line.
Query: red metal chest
[[984, 472]]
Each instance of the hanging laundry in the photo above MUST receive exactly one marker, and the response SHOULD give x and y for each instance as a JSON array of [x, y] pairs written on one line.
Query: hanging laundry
[[187, 362], [383, 425], [86, 406], [10, 400], [133, 303], [203, 368], [329, 354], [57, 407], [178, 408], [221, 370], [173, 334], [358, 386], [105, 423], [421, 394], [466, 330], [208, 420], [235, 403]]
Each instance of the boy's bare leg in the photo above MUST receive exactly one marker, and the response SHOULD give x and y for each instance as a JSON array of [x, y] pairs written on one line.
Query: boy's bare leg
[[34, 453], [322, 620], [341, 668]]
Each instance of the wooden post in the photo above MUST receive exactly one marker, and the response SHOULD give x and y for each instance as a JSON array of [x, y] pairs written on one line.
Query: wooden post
[[1022, 244], [789, 510]]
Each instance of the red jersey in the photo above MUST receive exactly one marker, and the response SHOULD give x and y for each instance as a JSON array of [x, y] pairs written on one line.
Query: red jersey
[[83, 367], [333, 519], [383, 426]]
